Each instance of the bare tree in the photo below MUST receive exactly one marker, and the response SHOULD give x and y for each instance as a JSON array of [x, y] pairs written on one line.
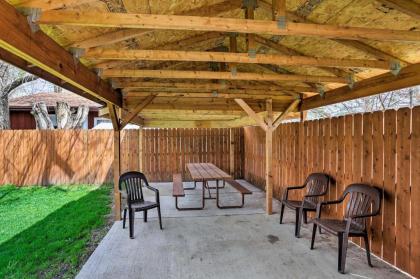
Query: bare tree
[[67, 118], [407, 97], [10, 79]]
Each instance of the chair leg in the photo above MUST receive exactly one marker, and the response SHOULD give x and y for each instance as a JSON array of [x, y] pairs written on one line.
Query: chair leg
[[313, 236], [298, 225], [124, 217], [344, 241], [160, 218], [340, 248], [305, 217], [365, 237], [131, 222], [145, 216], [281, 213]]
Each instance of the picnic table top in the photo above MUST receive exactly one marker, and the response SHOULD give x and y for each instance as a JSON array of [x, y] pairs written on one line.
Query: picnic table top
[[206, 171]]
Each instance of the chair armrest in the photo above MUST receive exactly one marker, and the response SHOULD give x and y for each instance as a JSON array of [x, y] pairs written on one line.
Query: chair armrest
[[364, 215], [154, 190], [315, 195], [286, 193], [322, 203]]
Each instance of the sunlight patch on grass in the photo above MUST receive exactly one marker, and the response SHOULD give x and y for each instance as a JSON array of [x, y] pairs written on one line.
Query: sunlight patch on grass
[[46, 230]]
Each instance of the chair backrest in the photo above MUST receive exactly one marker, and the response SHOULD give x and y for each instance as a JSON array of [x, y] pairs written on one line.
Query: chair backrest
[[364, 200], [316, 184], [132, 183]]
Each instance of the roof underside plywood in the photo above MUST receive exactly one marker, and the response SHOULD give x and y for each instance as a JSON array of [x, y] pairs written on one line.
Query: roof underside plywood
[[182, 105]]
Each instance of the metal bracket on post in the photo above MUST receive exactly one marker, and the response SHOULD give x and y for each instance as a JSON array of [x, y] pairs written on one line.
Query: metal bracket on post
[[99, 72], [321, 90], [77, 53], [249, 3], [252, 53], [233, 71], [281, 22], [33, 16], [350, 81], [395, 67]]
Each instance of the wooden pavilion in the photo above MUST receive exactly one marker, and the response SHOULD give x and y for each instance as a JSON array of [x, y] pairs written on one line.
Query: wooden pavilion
[[214, 63]]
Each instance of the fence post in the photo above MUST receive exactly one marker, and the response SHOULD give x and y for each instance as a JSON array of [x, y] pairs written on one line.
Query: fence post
[[232, 152], [117, 170]]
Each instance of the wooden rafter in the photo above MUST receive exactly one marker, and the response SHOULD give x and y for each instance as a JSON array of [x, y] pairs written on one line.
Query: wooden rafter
[[136, 110], [228, 57], [197, 23], [24, 65], [189, 43], [284, 114], [46, 5], [409, 76], [291, 52], [279, 10], [408, 7], [171, 86], [252, 114], [126, 34], [380, 54], [215, 94], [217, 75], [40, 50]]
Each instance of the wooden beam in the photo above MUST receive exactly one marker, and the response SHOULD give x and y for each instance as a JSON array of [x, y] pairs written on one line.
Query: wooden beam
[[284, 114], [117, 172], [112, 112], [46, 5], [252, 113], [408, 7], [196, 23], [215, 95], [201, 41], [216, 75], [41, 51], [134, 112], [24, 65], [409, 76], [351, 43], [279, 10], [228, 57], [269, 159], [249, 13], [291, 52], [126, 34], [173, 86]]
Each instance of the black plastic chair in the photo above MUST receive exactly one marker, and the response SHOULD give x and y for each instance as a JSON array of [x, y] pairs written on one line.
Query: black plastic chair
[[130, 186], [316, 185], [364, 202]]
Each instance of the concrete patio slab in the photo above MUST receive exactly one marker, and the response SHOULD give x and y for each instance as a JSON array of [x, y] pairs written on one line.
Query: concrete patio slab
[[215, 243]]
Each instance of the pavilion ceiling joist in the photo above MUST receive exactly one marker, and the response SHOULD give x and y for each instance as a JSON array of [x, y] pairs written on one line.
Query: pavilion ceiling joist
[[41, 51], [229, 57], [188, 60], [170, 74], [217, 24]]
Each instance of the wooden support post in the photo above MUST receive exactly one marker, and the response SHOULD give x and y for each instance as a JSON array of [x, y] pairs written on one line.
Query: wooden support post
[[233, 47], [117, 171], [141, 133], [232, 152], [269, 159], [249, 9], [279, 12]]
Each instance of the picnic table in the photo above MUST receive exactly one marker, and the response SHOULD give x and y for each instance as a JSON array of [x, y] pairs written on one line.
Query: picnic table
[[204, 173]]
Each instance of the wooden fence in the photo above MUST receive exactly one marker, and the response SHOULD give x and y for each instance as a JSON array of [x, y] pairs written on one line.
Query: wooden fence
[[30, 157], [382, 149]]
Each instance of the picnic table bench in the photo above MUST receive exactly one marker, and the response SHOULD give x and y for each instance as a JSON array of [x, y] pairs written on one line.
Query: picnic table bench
[[205, 172]]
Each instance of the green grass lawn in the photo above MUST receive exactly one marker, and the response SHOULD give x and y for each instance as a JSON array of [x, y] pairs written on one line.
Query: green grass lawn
[[47, 232]]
